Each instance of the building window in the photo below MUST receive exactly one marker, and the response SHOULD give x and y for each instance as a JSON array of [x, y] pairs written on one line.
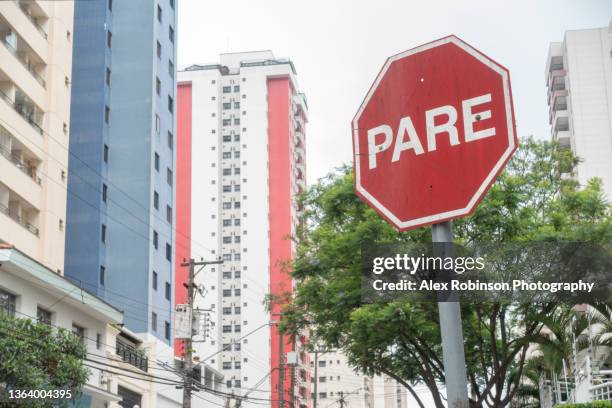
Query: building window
[[170, 104], [43, 315], [227, 240], [236, 221], [322, 379], [227, 205], [236, 105], [237, 309], [236, 88], [102, 275], [109, 39], [79, 332], [156, 200], [8, 303], [154, 280], [227, 222], [155, 239], [103, 233], [237, 239], [237, 292], [169, 214], [227, 89], [167, 330], [227, 329], [227, 105], [168, 252], [227, 310], [227, 292], [227, 138], [156, 161], [169, 176], [172, 4], [227, 275], [159, 50], [168, 288], [157, 85], [157, 124], [170, 140], [110, 5], [227, 365], [227, 122], [236, 138], [237, 367], [154, 321], [171, 68], [105, 153], [236, 204], [236, 154], [98, 341], [237, 273], [227, 172], [227, 189], [236, 121], [322, 395], [104, 192], [322, 363], [236, 257], [237, 328], [171, 34], [107, 115], [159, 13], [108, 76]]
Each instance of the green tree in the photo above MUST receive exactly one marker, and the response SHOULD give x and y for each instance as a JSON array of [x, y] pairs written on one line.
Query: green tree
[[535, 199], [40, 357]]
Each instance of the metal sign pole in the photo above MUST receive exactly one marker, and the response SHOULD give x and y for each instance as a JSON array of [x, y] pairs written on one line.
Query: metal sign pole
[[451, 331]]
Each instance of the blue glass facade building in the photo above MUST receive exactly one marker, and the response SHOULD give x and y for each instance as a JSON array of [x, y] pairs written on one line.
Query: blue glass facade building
[[120, 212]]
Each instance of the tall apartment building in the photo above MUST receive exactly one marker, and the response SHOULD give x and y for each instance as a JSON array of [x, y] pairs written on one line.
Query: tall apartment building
[[35, 82], [243, 121], [334, 380], [579, 80], [121, 208]]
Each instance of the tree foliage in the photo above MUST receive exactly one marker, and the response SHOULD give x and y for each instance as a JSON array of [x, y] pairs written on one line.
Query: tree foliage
[[38, 356], [535, 199]]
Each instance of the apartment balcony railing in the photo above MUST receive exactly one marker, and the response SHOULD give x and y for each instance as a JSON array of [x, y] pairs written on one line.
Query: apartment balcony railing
[[29, 170], [18, 219], [132, 356], [602, 392], [20, 110], [38, 27], [27, 66]]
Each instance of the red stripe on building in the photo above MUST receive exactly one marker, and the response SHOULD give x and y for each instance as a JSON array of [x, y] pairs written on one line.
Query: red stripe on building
[[182, 245], [279, 137]]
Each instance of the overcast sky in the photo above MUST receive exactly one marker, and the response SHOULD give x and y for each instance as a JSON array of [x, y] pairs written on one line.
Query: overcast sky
[[338, 47]]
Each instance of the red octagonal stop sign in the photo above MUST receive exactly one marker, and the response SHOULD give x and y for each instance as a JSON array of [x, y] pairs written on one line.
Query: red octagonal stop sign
[[435, 129]]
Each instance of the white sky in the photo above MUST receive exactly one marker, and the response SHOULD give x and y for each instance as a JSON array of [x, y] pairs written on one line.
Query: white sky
[[338, 47]]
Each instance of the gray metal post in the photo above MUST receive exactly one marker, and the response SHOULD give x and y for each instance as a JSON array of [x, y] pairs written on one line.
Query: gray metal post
[[451, 331]]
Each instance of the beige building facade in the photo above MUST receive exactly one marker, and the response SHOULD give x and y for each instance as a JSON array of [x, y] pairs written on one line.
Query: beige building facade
[[35, 71]]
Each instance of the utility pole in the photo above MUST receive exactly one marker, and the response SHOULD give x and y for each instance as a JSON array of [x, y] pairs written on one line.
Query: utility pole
[[316, 379], [188, 369], [292, 389], [451, 328], [281, 369]]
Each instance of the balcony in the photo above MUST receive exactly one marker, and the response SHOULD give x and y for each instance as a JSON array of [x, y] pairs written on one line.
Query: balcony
[[555, 97], [18, 210], [131, 355], [602, 392], [34, 13], [563, 136], [20, 49], [18, 160], [21, 104]]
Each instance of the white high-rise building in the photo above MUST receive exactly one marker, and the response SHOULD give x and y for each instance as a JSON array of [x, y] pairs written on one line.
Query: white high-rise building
[[240, 125], [35, 82], [336, 384], [579, 80]]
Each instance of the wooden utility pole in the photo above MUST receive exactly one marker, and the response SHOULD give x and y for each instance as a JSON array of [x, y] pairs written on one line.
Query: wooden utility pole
[[188, 369]]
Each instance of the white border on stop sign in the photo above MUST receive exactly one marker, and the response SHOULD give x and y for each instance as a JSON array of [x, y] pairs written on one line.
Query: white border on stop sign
[[488, 180]]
